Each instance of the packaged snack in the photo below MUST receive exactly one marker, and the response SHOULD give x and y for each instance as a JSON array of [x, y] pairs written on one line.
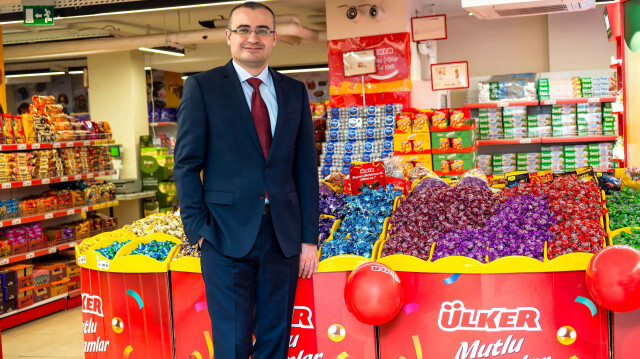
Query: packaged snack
[[439, 118], [41, 101], [445, 166], [457, 143], [457, 165], [418, 146], [28, 126], [457, 118], [7, 129], [444, 144], [53, 109], [424, 178], [18, 130], [404, 121], [421, 122], [405, 146]]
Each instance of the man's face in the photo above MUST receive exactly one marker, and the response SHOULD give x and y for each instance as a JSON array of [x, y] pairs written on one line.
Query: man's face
[[251, 50]]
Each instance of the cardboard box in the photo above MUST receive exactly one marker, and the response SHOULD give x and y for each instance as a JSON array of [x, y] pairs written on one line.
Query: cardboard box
[[9, 306], [8, 277], [57, 271], [24, 273], [25, 297], [41, 293], [73, 269], [40, 277], [10, 292], [468, 137]]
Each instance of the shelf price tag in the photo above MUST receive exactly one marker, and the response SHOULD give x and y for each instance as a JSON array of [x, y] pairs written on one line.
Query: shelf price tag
[[100, 174], [30, 255], [48, 215], [46, 181], [22, 146], [502, 104], [26, 183], [550, 102], [70, 212], [72, 244], [101, 264], [82, 259], [35, 146], [52, 250], [16, 221], [64, 179], [89, 175], [57, 145], [84, 209], [593, 100], [77, 177], [4, 261], [525, 140], [86, 143], [6, 185]]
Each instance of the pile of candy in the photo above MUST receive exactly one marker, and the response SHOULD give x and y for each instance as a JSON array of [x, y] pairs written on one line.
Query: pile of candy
[[631, 238], [624, 208], [110, 251], [576, 206], [425, 216], [154, 249], [331, 203], [325, 229], [169, 223], [362, 223], [10, 208]]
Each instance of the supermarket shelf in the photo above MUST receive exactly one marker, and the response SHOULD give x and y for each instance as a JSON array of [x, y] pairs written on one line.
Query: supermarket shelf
[[500, 104], [579, 139], [74, 293], [137, 195], [73, 302], [35, 311], [37, 253], [63, 144], [56, 214], [41, 181], [516, 141], [161, 124], [577, 100]]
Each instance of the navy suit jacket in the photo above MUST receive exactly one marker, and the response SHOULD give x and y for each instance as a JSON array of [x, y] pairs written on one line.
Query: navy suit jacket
[[216, 134]]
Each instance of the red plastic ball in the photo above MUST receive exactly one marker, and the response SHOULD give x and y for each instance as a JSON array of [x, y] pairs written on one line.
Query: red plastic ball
[[373, 293], [613, 278]]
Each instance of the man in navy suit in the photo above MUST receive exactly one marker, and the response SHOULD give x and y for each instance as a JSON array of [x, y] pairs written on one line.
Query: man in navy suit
[[255, 211]]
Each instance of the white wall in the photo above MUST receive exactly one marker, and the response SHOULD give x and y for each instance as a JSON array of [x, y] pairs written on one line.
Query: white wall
[[578, 41], [396, 19]]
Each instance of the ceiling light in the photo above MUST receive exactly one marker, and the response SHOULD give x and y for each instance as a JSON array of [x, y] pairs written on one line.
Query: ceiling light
[[312, 69], [34, 73], [76, 72], [147, 68], [470, 14], [184, 77], [165, 50]]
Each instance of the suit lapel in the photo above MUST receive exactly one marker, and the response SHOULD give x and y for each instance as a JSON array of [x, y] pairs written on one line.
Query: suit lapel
[[237, 98], [281, 94]]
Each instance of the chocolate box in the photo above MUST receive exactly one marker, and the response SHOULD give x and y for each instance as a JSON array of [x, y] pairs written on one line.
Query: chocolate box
[[41, 293], [25, 297], [9, 306], [40, 277], [57, 271], [60, 287], [24, 274], [8, 277], [10, 292]]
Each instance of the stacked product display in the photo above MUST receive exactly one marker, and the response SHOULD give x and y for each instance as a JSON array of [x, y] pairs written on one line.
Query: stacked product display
[[453, 139], [412, 140], [576, 87], [358, 134], [156, 165]]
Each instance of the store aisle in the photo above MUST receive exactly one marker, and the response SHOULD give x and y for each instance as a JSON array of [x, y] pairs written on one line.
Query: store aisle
[[58, 335]]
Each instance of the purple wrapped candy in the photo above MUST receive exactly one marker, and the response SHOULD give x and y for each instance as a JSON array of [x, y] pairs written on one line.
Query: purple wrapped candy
[[325, 190], [325, 224], [421, 219], [472, 181], [332, 204], [468, 242], [429, 182]]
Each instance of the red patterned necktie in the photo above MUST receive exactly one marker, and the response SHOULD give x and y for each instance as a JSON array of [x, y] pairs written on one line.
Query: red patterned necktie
[[260, 115]]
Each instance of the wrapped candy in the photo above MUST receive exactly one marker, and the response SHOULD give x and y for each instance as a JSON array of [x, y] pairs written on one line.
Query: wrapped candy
[[363, 220], [473, 177], [325, 224], [331, 203], [624, 208], [468, 242], [631, 238]]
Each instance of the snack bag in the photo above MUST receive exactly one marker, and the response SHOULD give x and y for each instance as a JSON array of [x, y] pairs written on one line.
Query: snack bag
[[53, 109], [440, 119], [457, 118], [18, 130], [445, 144], [457, 143], [631, 177], [421, 122], [418, 146], [457, 165], [404, 121], [405, 146], [7, 129], [445, 166], [473, 177], [28, 126], [541, 177]]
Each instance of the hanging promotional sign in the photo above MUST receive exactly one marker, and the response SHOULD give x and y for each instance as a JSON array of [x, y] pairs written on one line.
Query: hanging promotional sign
[[391, 82], [514, 316]]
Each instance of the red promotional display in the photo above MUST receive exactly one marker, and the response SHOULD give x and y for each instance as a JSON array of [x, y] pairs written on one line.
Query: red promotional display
[[126, 315], [373, 293], [626, 334], [507, 315], [390, 84], [613, 278], [370, 175]]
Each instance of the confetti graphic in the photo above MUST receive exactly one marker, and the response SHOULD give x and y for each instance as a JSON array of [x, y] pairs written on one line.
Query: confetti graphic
[[200, 306], [451, 279], [136, 296], [567, 335], [410, 308], [127, 351], [336, 332], [417, 346], [207, 337], [117, 325], [195, 355], [342, 355], [588, 303]]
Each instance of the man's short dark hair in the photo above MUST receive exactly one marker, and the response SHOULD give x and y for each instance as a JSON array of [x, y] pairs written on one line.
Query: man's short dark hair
[[253, 6]]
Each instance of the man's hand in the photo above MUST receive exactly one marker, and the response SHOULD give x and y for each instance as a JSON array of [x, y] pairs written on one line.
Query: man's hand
[[200, 243], [308, 260]]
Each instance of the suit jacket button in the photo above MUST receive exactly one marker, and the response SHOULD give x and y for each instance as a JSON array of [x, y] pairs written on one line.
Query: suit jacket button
[[266, 167], [261, 196]]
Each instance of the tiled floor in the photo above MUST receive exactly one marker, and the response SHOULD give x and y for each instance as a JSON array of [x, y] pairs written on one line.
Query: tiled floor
[[58, 335]]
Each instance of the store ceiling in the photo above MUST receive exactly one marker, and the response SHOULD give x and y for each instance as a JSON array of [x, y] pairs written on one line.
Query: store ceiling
[[200, 56]]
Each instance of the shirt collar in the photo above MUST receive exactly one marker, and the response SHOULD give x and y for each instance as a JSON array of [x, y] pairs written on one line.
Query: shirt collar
[[244, 75]]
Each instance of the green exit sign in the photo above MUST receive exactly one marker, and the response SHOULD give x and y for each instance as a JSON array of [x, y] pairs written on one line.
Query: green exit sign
[[38, 15]]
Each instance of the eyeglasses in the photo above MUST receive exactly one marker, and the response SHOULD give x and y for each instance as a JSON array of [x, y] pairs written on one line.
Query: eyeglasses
[[245, 31]]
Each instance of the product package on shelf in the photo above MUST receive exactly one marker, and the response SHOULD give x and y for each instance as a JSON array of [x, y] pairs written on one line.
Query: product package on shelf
[[514, 88], [358, 134], [454, 146], [156, 165]]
